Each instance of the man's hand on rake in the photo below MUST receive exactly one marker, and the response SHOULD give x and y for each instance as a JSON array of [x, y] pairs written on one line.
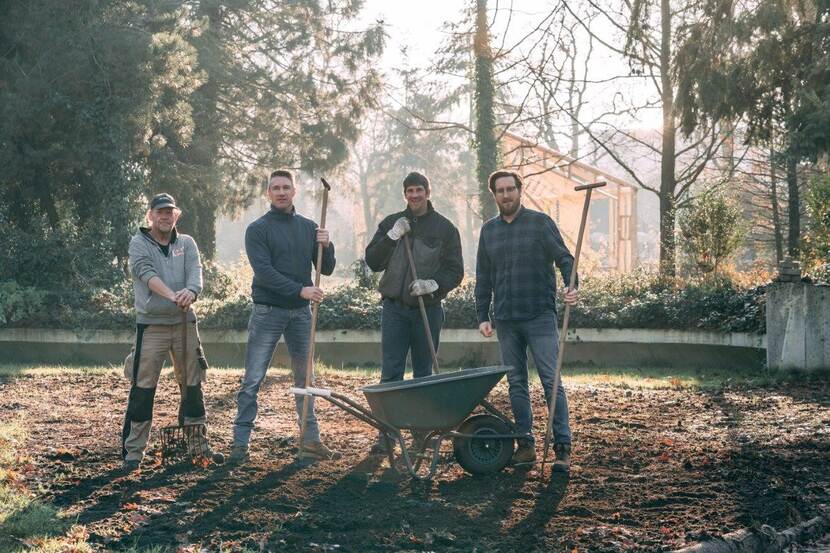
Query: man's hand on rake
[[184, 298]]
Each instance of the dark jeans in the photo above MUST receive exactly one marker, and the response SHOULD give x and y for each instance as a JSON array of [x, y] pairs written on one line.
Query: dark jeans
[[402, 330], [541, 336]]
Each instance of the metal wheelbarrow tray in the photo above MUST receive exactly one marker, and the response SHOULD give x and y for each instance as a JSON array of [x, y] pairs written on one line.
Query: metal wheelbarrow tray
[[436, 408]]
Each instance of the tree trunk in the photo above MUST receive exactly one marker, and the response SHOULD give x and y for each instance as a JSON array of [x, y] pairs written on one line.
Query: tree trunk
[[203, 152], [793, 204], [749, 540], [366, 199], [487, 148], [794, 234], [667, 160], [776, 215]]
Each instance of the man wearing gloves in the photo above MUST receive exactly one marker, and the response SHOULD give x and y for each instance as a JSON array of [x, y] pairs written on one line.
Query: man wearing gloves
[[281, 247], [167, 277], [436, 248]]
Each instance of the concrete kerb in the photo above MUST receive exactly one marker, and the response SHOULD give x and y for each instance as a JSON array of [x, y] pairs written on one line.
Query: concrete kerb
[[459, 347]]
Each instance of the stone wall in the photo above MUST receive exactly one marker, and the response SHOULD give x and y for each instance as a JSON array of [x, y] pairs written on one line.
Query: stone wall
[[798, 326]]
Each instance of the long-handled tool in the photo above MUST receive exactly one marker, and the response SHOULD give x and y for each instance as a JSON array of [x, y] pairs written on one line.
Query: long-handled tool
[[309, 370], [183, 384], [562, 337], [421, 305]]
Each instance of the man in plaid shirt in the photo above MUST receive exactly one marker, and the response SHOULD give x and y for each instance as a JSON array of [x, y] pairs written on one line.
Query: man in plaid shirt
[[514, 271]]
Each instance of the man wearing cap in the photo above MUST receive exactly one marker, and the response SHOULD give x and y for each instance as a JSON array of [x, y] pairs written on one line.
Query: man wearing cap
[[282, 248], [514, 271], [436, 249], [167, 278]]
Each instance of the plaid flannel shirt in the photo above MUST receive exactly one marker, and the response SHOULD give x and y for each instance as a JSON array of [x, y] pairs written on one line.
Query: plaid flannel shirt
[[514, 269]]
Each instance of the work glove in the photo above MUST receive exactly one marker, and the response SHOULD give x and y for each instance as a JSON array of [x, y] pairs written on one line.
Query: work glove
[[422, 287], [400, 228]]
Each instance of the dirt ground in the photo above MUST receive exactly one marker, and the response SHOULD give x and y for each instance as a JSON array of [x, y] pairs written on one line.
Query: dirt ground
[[652, 470]]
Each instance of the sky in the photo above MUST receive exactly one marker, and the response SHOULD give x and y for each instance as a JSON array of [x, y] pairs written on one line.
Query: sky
[[416, 26]]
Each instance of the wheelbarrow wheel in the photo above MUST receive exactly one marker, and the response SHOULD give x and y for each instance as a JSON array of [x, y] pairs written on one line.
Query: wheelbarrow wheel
[[482, 456]]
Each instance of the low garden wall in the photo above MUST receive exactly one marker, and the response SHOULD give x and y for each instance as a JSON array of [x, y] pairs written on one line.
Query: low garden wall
[[459, 347]]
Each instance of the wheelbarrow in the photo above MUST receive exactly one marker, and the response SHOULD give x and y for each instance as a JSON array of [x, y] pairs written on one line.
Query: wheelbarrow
[[436, 408]]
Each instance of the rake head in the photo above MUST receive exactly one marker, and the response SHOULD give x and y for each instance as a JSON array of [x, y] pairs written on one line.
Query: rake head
[[182, 443]]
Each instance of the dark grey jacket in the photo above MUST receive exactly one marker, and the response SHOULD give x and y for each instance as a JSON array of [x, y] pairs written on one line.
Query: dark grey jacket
[[436, 248], [180, 268]]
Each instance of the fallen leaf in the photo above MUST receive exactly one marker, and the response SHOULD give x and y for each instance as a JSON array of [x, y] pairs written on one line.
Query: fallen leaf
[[136, 518]]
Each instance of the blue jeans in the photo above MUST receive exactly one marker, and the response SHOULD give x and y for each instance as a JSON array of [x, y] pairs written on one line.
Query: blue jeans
[[541, 336], [402, 330], [265, 327]]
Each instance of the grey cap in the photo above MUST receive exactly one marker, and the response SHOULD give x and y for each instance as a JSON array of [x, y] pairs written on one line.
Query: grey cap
[[162, 200]]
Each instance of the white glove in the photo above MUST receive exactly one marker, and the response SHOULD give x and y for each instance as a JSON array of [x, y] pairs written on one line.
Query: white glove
[[400, 228], [422, 287]]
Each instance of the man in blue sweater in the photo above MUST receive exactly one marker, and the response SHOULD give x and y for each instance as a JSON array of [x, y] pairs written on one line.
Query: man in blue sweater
[[282, 248]]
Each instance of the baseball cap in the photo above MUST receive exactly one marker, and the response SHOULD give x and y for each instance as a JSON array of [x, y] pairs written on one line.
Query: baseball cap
[[162, 200]]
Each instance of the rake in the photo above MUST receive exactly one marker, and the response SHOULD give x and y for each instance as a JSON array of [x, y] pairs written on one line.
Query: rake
[[183, 442]]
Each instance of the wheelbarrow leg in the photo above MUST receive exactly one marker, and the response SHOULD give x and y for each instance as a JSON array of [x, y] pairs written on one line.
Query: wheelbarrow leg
[[390, 449], [436, 452]]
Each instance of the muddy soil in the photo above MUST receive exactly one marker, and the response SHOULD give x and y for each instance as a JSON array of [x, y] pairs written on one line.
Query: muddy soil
[[652, 470]]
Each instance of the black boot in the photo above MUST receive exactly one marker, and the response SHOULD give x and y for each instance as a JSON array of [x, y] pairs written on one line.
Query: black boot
[[563, 458]]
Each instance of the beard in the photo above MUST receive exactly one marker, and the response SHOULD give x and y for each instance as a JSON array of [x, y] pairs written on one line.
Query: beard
[[509, 210]]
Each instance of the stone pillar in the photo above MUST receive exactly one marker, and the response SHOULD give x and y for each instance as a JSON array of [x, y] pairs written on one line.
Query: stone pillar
[[798, 322]]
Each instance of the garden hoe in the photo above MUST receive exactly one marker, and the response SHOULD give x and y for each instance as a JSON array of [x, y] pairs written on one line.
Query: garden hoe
[[421, 306], [563, 335], [309, 371], [184, 440]]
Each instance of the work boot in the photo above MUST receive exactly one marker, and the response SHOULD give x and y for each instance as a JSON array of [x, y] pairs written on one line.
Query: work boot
[[525, 454], [563, 458], [130, 466], [239, 455], [318, 450]]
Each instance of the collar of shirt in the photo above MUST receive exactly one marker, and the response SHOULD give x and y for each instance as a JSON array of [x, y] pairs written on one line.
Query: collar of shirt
[[282, 215], [412, 217], [519, 213], [174, 234]]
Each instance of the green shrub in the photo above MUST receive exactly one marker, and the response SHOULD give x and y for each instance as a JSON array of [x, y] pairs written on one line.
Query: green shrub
[[710, 232], [19, 303], [637, 300], [815, 247]]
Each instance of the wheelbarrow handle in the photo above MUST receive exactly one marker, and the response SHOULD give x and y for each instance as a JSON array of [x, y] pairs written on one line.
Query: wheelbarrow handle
[[320, 392]]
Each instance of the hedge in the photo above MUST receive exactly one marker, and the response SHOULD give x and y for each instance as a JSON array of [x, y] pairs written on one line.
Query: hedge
[[637, 300]]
